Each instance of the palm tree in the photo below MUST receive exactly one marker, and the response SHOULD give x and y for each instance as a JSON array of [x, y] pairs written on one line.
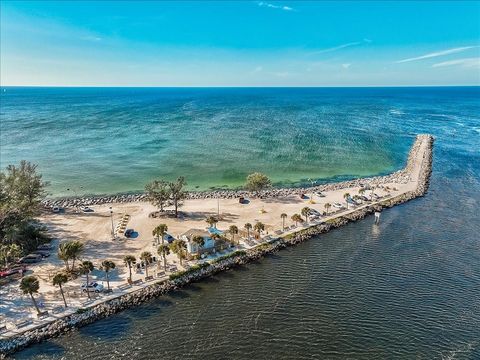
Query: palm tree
[[259, 227], [146, 257], [305, 212], [179, 247], [283, 216], [296, 218], [327, 207], [160, 231], [30, 285], [199, 240], [346, 196], [233, 230], [361, 191], [85, 269], [108, 265], [163, 250], [129, 260], [60, 279], [70, 250], [248, 227], [212, 221]]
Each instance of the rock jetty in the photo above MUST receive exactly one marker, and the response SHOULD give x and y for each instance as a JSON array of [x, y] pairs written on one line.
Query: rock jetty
[[198, 272]]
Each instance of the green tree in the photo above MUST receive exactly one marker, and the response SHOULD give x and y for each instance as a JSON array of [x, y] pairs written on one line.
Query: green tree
[[233, 230], [177, 192], [212, 221], [85, 268], [361, 191], [283, 216], [306, 212], [146, 257], [60, 279], [327, 207], [163, 250], [257, 182], [296, 218], [10, 252], [70, 250], [259, 227], [158, 193], [30, 285], [199, 241], [129, 261], [160, 231], [107, 266], [248, 227], [179, 247]]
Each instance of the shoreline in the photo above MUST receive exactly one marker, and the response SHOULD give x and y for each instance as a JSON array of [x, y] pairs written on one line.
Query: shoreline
[[154, 289], [401, 176]]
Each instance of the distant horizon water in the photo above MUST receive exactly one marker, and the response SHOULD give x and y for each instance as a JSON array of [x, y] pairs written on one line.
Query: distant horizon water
[[106, 140]]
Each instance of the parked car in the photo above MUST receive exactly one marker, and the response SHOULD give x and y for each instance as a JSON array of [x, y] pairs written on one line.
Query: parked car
[[30, 259], [320, 194], [169, 238], [92, 287], [45, 247], [42, 253], [13, 270], [313, 212], [338, 205], [129, 233], [86, 209], [56, 209]]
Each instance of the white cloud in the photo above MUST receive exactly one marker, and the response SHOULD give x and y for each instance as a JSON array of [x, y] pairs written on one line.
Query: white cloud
[[258, 69], [346, 66], [466, 62], [342, 46], [436, 54], [272, 6]]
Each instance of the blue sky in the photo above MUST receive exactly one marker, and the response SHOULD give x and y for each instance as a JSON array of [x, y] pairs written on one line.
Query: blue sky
[[242, 43]]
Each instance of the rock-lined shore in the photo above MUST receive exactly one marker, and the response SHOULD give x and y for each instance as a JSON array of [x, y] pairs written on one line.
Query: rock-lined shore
[[399, 177], [125, 301]]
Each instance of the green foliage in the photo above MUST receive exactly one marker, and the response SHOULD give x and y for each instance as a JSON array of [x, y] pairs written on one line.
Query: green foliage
[[228, 256], [59, 279], [81, 311], [70, 250], [177, 192], [29, 284], [257, 182], [21, 192], [192, 270], [158, 193]]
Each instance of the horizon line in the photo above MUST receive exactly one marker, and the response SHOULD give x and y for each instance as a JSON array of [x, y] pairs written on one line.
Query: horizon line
[[232, 86]]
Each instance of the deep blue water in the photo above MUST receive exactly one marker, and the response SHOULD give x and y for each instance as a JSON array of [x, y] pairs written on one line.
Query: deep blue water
[[407, 289]]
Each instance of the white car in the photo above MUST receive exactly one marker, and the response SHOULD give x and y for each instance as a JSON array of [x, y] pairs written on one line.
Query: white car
[[92, 287], [313, 212], [338, 205], [320, 194]]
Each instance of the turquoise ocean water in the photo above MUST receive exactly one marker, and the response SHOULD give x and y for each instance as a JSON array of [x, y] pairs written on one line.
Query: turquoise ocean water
[[110, 140]]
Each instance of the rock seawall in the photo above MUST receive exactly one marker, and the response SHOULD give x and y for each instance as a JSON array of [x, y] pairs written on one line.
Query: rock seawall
[[109, 307]]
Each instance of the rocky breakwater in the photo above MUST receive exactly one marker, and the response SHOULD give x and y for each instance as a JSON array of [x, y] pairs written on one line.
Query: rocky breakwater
[[200, 271], [398, 177]]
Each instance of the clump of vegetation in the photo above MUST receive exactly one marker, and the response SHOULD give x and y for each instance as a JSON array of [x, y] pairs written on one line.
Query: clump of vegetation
[[193, 269], [21, 192], [257, 182], [228, 256], [160, 193]]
